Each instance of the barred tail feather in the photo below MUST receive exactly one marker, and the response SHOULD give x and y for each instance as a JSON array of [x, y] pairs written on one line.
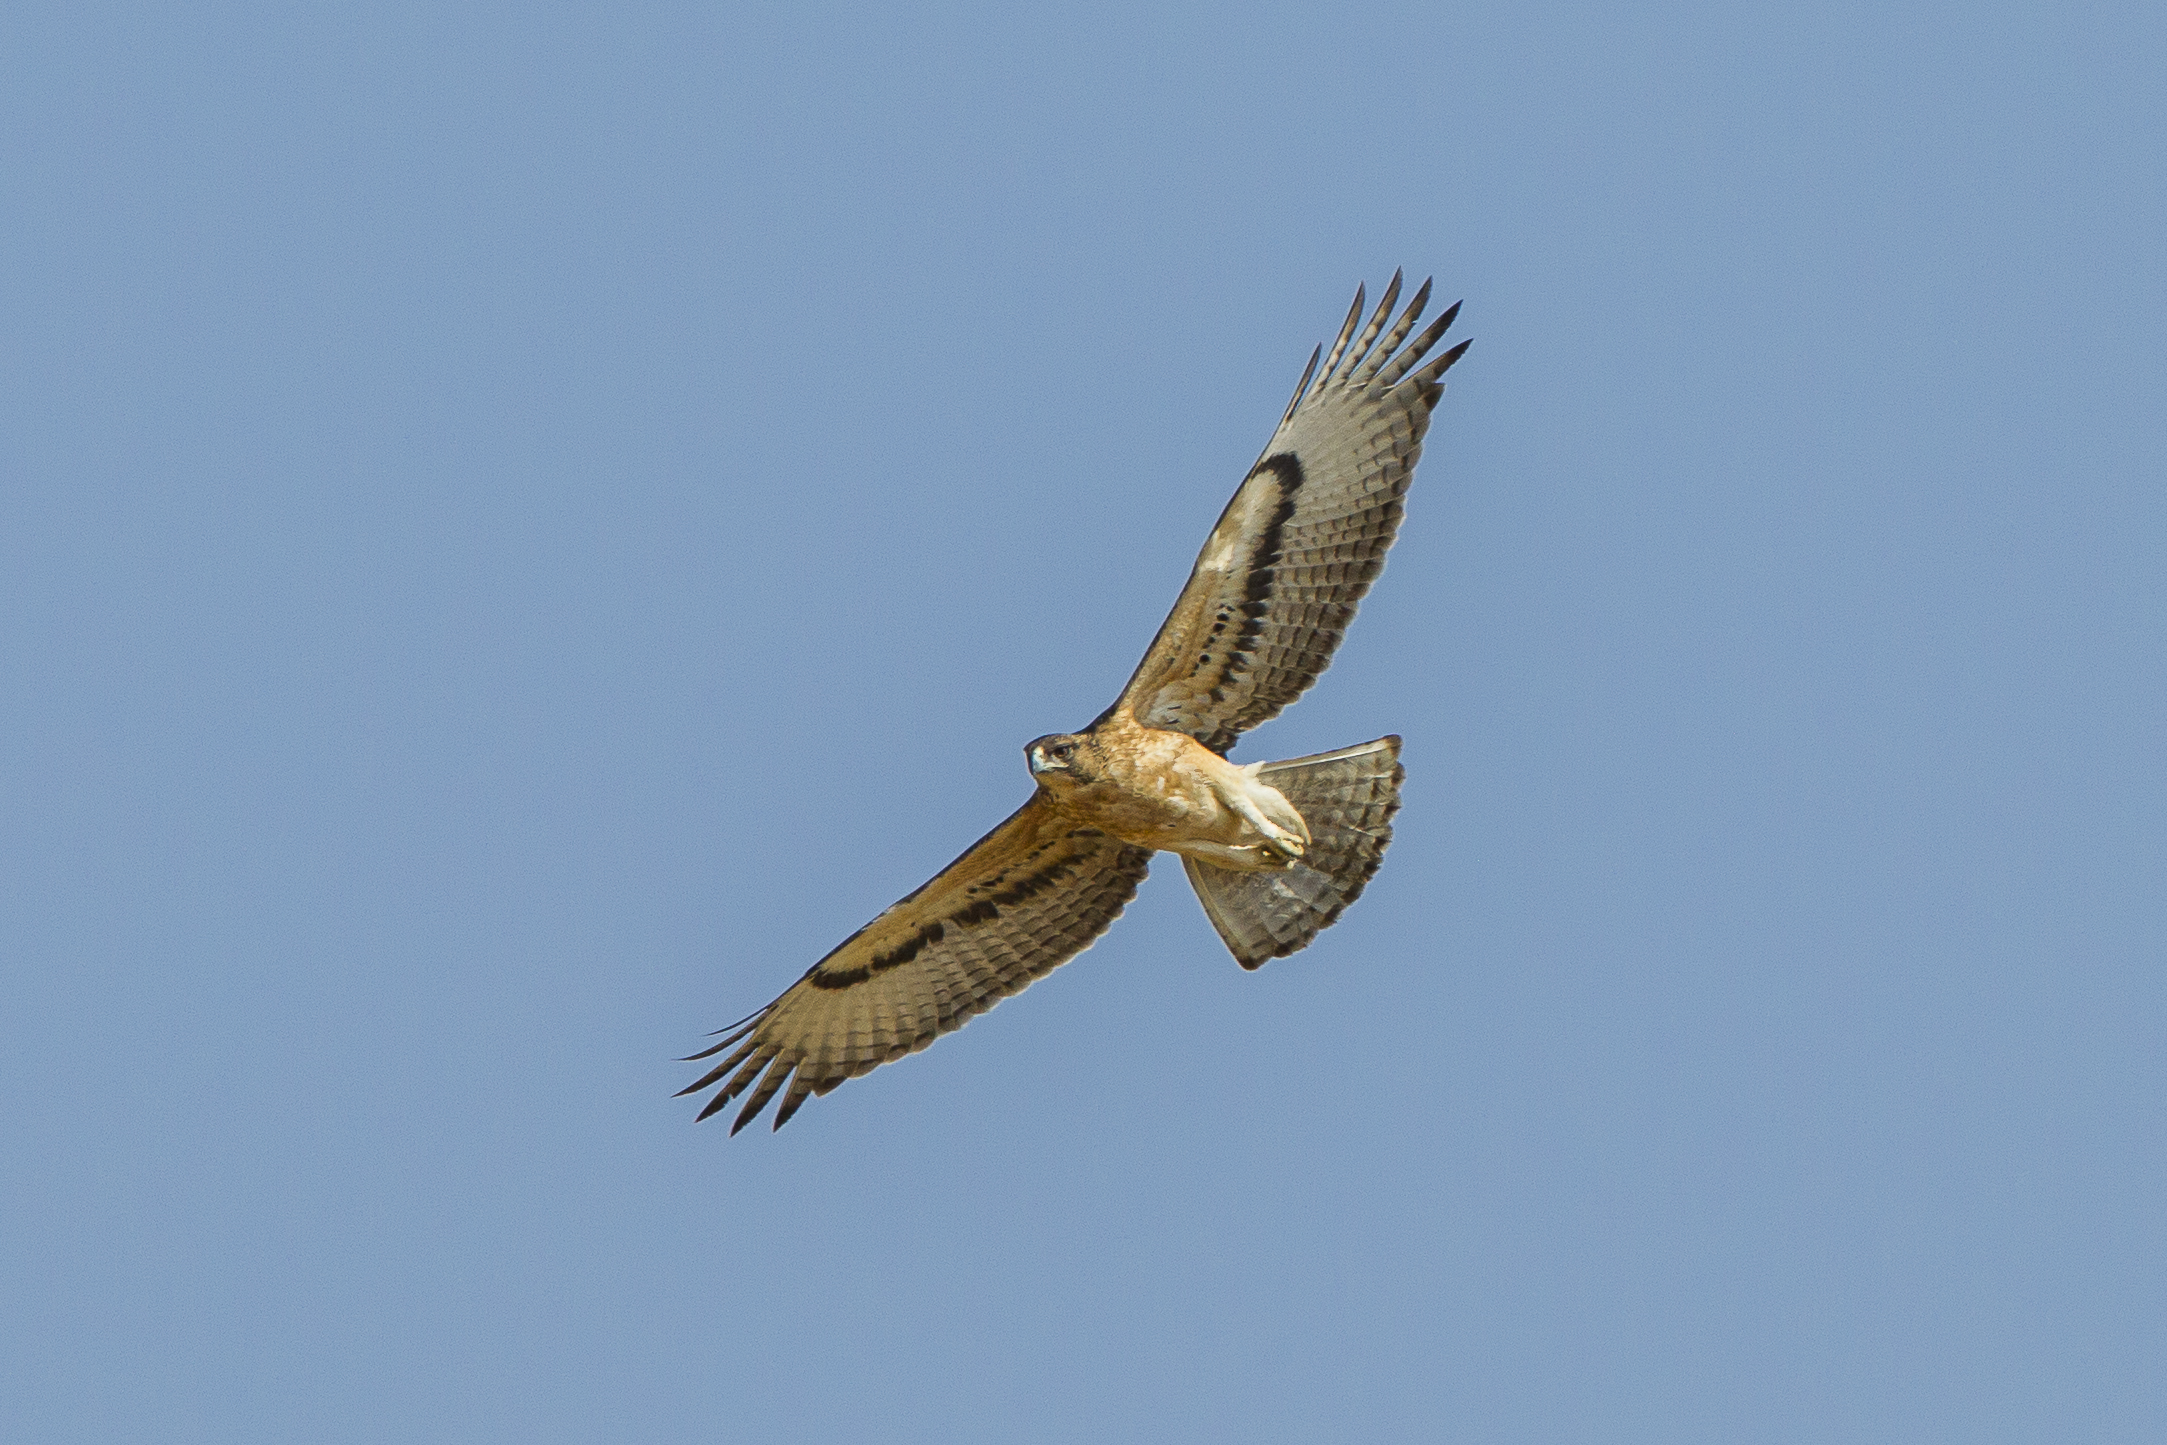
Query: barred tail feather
[[1348, 799]]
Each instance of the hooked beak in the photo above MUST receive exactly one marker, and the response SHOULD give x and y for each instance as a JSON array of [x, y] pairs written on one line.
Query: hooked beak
[[1040, 760]]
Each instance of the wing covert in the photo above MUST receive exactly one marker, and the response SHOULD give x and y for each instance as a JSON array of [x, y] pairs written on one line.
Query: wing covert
[[1280, 575], [1021, 901]]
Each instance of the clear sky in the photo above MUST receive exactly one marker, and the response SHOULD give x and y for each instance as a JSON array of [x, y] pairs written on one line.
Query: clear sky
[[520, 527]]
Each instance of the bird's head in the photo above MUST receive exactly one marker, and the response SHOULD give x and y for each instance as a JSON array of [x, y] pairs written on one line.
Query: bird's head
[[1061, 759]]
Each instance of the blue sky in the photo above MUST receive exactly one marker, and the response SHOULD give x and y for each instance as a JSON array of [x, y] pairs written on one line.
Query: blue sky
[[520, 527]]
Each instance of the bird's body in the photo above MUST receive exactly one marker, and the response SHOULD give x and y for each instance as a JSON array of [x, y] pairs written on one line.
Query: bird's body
[[1164, 790], [1274, 850]]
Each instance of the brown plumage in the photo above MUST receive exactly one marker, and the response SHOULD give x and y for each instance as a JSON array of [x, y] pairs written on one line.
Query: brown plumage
[[1028, 896], [1274, 850], [1279, 577]]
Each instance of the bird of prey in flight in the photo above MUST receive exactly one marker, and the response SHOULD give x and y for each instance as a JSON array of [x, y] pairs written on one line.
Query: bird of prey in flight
[[1274, 850]]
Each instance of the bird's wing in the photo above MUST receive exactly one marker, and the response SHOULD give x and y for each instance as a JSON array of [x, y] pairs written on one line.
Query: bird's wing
[[1021, 901], [1279, 577]]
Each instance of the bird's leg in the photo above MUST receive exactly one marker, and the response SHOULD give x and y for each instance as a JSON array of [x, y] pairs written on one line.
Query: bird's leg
[[1282, 845]]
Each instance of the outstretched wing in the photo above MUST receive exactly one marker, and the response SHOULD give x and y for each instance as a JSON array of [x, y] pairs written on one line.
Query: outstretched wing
[[1279, 577], [1021, 901]]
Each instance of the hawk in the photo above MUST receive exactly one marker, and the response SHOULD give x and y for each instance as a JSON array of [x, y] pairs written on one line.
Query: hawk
[[1274, 850]]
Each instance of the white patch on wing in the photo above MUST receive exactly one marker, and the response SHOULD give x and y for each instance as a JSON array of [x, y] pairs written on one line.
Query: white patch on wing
[[1226, 549], [1219, 554]]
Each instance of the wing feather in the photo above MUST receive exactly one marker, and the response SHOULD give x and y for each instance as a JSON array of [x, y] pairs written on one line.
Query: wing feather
[[1021, 901], [1422, 344], [1304, 537], [1368, 338], [1346, 331], [1400, 328]]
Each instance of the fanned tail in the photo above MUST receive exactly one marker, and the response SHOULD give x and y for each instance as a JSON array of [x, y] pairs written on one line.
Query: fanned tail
[[1347, 798]]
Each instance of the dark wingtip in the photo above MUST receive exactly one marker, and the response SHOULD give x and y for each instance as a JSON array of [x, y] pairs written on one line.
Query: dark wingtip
[[1301, 389]]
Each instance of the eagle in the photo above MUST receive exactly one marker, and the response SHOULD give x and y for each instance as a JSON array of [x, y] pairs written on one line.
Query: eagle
[[1275, 850]]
